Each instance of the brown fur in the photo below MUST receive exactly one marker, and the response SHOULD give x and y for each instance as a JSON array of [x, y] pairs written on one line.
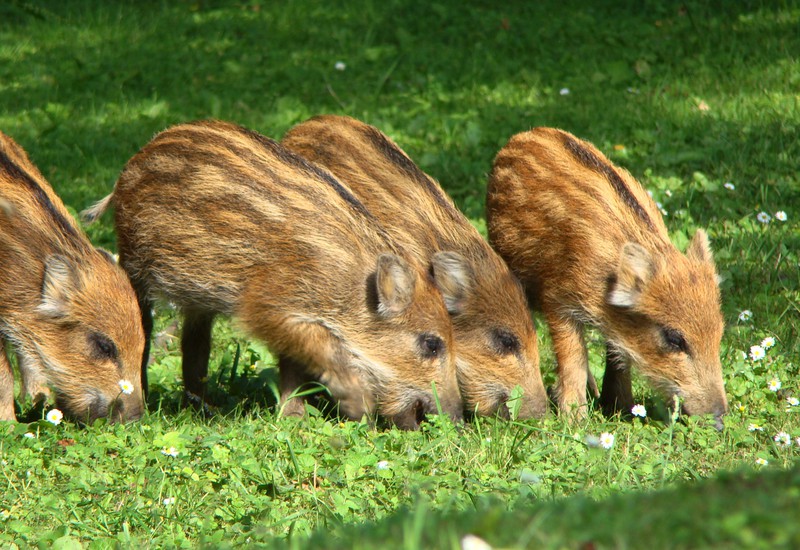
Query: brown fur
[[66, 309], [495, 338], [591, 248], [219, 219]]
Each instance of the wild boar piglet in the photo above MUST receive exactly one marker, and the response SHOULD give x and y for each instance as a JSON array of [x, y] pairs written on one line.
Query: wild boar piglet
[[591, 248], [222, 220], [496, 348], [66, 309]]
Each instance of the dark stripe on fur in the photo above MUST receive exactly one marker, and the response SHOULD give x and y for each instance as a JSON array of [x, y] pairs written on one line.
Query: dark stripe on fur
[[311, 169], [18, 174], [199, 143], [200, 134], [398, 158], [590, 160]]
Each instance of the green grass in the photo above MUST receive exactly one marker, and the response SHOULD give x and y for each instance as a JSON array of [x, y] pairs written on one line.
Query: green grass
[[687, 96]]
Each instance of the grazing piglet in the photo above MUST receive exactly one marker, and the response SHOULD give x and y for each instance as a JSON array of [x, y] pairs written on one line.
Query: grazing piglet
[[591, 248], [496, 347], [220, 219], [66, 308]]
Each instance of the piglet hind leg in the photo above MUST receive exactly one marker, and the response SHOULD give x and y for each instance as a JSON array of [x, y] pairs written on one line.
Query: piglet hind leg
[[196, 348], [616, 395], [6, 386], [572, 366], [146, 311]]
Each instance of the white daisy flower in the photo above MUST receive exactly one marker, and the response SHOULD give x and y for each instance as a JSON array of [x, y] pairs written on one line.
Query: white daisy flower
[[774, 384], [752, 427], [768, 342], [471, 542], [783, 439], [172, 451], [763, 217], [745, 315], [55, 416], [729, 186], [564, 91], [780, 216], [793, 401], [639, 410], [757, 353], [606, 440], [169, 501], [339, 66], [762, 461], [126, 387]]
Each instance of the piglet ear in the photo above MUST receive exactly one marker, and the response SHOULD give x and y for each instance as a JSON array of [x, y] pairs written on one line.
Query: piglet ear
[[635, 270], [699, 249], [453, 277], [394, 284], [59, 286]]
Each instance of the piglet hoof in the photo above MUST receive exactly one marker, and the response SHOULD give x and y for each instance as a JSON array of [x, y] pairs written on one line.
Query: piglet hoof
[[294, 407], [574, 409], [573, 412], [199, 404], [612, 405]]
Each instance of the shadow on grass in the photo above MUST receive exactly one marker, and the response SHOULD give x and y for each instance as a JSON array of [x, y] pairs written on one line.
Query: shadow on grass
[[735, 510], [235, 386]]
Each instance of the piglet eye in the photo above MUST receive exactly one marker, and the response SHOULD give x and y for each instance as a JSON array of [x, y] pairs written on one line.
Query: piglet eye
[[102, 346], [674, 340], [505, 342], [430, 345]]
